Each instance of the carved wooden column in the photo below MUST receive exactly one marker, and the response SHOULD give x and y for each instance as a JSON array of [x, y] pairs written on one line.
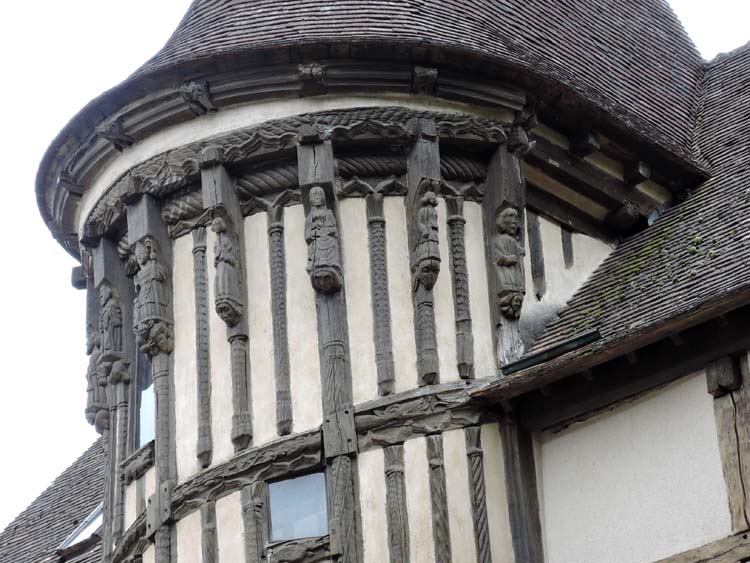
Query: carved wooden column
[[209, 545], [381, 305], [478, 493], [504, 205], [116, 352], [439, 498], [727, 381], [423, 183], [316, 180], [154, 329], [398, 518], [230, 287], [254, 498], [460, 276], [204, 447], [277, 256]]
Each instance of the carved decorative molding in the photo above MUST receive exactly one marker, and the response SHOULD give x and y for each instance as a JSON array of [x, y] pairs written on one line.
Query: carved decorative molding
[[178, 168], [254, 499], [439, 499], [478, 493], [398, 518], [197, 96], [298, 453], [136, 466], [114, 132], [204, 447], [307, 550], [460, 275], [209, 543]]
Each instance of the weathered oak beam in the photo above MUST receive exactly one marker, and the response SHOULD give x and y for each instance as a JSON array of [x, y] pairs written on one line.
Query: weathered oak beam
[[733, 549]]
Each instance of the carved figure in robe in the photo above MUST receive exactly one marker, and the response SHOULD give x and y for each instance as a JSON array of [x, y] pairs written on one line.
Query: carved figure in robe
[[427, 252], [226, 279], [110, 322], [322, 237], [150, 316], [92, 349], [507, 257]]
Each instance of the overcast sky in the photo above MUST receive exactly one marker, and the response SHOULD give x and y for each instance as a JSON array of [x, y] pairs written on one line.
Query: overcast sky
[[56, 56]]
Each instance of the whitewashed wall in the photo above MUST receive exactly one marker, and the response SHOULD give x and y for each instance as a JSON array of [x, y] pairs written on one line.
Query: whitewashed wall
[[637, 484]]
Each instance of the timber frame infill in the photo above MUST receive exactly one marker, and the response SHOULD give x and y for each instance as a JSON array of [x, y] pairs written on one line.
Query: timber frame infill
[[379, 423]]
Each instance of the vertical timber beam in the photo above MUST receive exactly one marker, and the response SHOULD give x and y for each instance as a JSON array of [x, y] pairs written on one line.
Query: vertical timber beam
[[209, 546], [460, 276], [230, 288], [536, 251], [504, 206], [204, 447], [277, 256], [439, 499], [731, 391], [521, 491], [381, 304], [116, 352], [254, 499], [478, 493], [154, 329], [423, 183], [316, 180], [398, 518]]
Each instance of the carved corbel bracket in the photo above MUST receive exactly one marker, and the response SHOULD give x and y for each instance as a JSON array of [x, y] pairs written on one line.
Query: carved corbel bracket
[[424, 80], [197, 96], [312, 76], [114, 132]]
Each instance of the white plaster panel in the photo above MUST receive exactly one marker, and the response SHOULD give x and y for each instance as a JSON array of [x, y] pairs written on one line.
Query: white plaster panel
[[649, 470], [189, 533], [221, 370], [304, 362], [149, 556], [246, 115], [418, 506], [588, 254], [445, 313], [185, 371], [399, 282], [372, 497], [356, 255], [260, 325], [501, 541], [476, 264], [131, 504], [460, 522], [149, 483], [230, 533]]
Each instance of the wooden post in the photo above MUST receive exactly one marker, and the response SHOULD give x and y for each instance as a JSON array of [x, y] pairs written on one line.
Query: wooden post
[[316, 173], [204, 446]]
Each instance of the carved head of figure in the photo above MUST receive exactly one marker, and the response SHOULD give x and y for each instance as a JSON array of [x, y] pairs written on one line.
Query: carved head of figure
[[142, 252], [508, 222], [429, 198], [218, 225], [427, 271], [101, 420], [510, 304], [105, 294], [317, 196]]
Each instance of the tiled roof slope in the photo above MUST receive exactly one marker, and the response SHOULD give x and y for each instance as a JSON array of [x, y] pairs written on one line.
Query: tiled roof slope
[[632, 58], [695, 256], [38, 531]]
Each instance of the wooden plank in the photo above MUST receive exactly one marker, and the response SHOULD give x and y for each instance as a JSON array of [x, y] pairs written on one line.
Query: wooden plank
[[734, 549], [536, 253]]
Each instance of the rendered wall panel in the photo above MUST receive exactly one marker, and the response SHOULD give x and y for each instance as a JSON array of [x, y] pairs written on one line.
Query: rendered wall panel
[[416, 473], [461, 523], [131, 504], [501, 540], [445, 314], [229, 529], [189, 538]]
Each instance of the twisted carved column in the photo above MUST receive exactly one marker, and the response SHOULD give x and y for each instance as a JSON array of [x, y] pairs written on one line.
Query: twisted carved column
[[478, 493], [439, 497], [204, 447], [398, 518]]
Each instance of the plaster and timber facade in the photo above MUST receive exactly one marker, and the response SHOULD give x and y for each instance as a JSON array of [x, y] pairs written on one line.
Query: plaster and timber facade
[[481, 269]]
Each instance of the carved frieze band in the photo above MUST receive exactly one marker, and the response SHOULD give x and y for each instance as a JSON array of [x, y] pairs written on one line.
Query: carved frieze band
[[439, 499], [204, 448], [179, 168], [478, 494], [254, 499], [460, 274], [398, 520]]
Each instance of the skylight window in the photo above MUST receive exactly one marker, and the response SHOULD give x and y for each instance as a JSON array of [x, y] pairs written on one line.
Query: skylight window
[[88, 528]]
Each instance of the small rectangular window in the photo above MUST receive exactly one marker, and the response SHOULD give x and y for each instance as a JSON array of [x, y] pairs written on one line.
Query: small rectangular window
[[298, 508], [146, 420]]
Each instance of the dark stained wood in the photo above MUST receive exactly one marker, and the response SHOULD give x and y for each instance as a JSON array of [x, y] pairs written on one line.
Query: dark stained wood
[[566, 236], [584, 143], [536, 253], [577, 399]]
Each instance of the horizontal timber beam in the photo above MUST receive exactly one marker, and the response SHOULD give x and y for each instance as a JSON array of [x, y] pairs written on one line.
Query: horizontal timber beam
[[733, 549]]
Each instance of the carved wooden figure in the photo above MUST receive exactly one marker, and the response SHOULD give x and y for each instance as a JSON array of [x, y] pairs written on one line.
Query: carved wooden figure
[[507, 260], [227, 286], [110, 323], [322, 237], [151, 320]]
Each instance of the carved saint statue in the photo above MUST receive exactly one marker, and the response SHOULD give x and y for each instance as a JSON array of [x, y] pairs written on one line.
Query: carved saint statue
[[507, 257], [227, 279], [110, 322], [322, 236], [150, 316], [426, 253], [92, 349]]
